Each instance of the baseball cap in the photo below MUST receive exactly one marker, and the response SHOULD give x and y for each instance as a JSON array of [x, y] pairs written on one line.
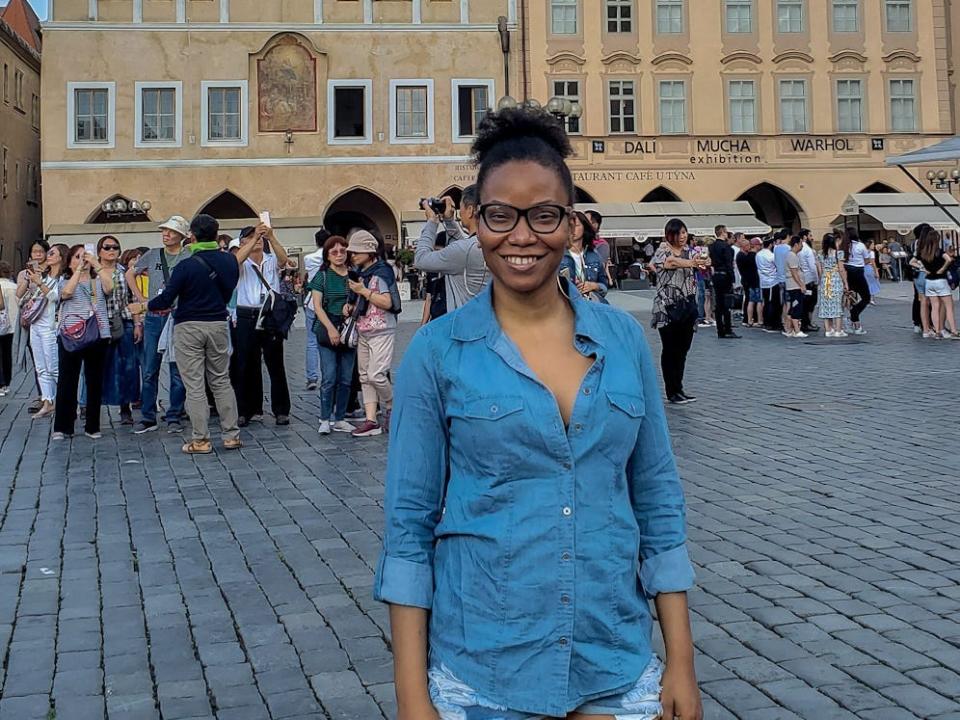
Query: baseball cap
[[234, 244], [178, 224], [363, 242]]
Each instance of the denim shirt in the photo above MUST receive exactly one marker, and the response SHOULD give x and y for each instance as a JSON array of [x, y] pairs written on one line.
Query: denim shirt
[[536, 547], [592, 269]]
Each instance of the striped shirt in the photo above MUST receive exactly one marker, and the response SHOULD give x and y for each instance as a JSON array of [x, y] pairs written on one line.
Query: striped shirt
[[86, 299]]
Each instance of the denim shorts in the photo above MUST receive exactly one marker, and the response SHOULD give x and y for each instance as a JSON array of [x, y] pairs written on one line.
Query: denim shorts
[[920, 283], [455, 700], [938, 288], [754, 295]]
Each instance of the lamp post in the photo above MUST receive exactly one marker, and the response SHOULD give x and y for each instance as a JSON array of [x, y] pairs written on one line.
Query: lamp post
[[942, 180], [119, 207], [562, 109]]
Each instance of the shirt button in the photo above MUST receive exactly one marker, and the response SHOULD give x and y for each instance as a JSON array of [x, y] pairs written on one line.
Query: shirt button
[[567, 512], [567, 466], [586, 391], [494, 408], [565, 599], [578, 427], [565, 557], [562, 642]]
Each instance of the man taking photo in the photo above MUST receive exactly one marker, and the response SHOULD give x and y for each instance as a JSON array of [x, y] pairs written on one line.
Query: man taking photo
[[722, 258], [461, 262]]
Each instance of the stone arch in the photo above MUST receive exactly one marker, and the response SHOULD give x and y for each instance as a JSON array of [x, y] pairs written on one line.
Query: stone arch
[[879, 187], [661, 194], [775, 206], [455, 192], [582, 196], [227, 205], [362, 208], [101, 217]]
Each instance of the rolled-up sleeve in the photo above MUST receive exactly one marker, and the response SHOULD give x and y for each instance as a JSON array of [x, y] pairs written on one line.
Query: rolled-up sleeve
[[656, 493], [416, 476]]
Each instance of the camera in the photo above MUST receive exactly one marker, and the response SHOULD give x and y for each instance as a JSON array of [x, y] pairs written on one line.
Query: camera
[[438, 205]]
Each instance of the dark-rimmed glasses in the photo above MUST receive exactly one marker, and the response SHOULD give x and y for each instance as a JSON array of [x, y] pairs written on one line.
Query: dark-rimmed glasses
[[544, 218]]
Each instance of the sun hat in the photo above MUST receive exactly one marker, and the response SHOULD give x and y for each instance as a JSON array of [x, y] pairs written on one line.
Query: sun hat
[[363, 242], [178, 224]]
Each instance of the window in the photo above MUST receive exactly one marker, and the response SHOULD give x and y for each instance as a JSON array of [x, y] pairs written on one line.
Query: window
[[3, 176], [563, 17], [158, 114], [90, 113], [223, 113], [743, 106], [619, 16], [32, 184], [899, 16], [623, 110], [471, 102], [569, 90], [903, 106], [35, 111], [18, 90], [6, 83], [790, 16], [669, 17], [739, 16], [16, 174], [793, 106], [849, 106], [350, 112], [411, 111], [673, 107], [846, 16]]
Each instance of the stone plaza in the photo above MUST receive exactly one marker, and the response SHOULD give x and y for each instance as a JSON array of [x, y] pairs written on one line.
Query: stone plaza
[[824, 521]]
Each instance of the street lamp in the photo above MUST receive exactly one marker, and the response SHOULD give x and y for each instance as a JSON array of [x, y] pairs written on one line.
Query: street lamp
[[561, 108], [120, 206], [941, 180]]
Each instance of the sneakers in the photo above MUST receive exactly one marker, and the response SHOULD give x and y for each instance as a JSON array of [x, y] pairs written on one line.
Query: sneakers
[[144, 427], [917, 329], [830, 333], [688, 398], [928, 335], [787, 334], [369, 428], [770, 330], [356, 415], [800, 335], [257, 418], [58, 436], [678, 400], [730, 336], [94, 436], [174, 428], [859, 331], [324, 427], [283, 420], [841, 334], [342, 426]]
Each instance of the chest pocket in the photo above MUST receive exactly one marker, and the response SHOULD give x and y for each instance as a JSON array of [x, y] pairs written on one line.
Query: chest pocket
[[625, 413], [486, 435]]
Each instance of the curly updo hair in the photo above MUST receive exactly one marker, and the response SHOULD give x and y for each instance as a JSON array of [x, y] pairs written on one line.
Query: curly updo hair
[[523, 134]]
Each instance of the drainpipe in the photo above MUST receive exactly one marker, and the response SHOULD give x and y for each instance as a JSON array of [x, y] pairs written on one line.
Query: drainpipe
[[505, 48], [524, 58]]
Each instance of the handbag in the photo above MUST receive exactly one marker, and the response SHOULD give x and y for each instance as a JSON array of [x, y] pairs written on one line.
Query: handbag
[[350, 333], [278, 311], [33, 307], [116, 327], [79, 334]]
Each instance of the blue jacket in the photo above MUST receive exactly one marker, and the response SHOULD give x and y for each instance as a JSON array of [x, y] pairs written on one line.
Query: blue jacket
[[593, 269], [536, 547]]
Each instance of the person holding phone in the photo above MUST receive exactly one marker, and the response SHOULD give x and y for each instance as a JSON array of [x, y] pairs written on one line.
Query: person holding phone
[[38, 289]]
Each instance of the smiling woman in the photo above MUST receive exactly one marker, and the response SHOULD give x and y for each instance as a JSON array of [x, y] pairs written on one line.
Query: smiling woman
[[530, 466]]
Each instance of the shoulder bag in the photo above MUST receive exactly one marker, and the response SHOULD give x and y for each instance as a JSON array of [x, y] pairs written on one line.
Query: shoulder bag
[[33, 306], [77, 333], [278, 311]]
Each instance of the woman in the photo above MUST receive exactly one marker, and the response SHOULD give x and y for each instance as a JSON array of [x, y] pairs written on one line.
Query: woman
[[581, 263], [121, 368], [83, 289], [832, 287], [375, 300], [9, 319], [328, 291], [129, 259], [531, 468], [856, 259], [39, 303], [872, 272], [675, 306], [699, 250], [936, 261]]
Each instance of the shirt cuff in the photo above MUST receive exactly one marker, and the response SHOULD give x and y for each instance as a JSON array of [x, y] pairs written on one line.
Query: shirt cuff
[[668, 572], [401, 582]]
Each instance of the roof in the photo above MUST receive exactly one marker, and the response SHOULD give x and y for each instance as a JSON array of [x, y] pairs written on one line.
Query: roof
[[945, 151], [21, 18], [902, 211]]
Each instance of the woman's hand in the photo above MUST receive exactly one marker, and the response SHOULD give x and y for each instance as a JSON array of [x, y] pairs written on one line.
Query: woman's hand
[[680, 695], [347, 310], [418, 712], [137, 333], [90, 261], [334, 336], [357, 287], [588, 287]]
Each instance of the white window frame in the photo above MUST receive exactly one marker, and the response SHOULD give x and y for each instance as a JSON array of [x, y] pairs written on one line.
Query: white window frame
[[367, 87], [682, 101], [205, 87], [739, 4], [111, 141], [138, 140], [620, 8], [670, 7], [889, 5], [742, 100], [912, 98], [395, 139], [572, 98], [562, 5], [621, 114], [806, 105], [455, 86], [789, 6], [851, 100], [835, 8]]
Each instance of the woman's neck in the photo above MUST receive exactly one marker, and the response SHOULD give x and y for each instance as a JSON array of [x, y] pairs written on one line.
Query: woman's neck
[[340, 269], [576, 246], [529, 309], [108, 264]]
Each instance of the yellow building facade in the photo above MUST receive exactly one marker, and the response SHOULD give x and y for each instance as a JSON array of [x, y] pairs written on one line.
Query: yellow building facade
[[336, 112], [791, 105]]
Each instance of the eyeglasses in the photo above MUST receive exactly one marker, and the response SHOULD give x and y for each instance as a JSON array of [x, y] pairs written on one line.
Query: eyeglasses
[[110, 247], [541, 218]]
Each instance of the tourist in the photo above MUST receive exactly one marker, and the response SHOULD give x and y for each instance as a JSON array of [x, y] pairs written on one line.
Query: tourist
[[750, 279], [155, 267], [810, 270], [675, 306], [460, 261], [121, 366], [795, 290], [886, 263], [83, 334], [39, 287], [260, 258], [700, 251], [9, 319], [375, 302], [200, 287], [781, 249], [581, 264], [921, 306], [723, 259], [936, 262], [872, 272], [770, 293], [601, 246], [312, 263], [38, 260], [328, 295], [832, 287], [520, 475], [856, 258]]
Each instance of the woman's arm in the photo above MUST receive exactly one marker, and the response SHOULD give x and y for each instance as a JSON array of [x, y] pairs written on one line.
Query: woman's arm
[[680, 695], [381, 300], [408, 630], [843, 274], [70, 287], [428, 299], [672, 262]]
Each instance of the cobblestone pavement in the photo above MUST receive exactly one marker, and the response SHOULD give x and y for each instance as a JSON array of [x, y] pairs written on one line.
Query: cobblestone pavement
[[824, 521]]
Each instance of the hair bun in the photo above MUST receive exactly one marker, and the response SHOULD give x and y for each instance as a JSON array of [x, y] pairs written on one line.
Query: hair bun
[[511, 124]]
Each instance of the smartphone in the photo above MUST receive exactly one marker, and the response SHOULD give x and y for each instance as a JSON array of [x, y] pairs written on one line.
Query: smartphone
[[265, 218], [353, 275], [90, 248]]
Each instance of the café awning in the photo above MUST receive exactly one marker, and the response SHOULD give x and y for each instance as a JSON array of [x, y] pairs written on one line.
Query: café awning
[[643, 220], [901, 212], [945, 151]]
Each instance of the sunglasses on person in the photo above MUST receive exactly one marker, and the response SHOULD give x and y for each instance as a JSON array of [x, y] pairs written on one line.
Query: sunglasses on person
[[108, 248], [501, 218]]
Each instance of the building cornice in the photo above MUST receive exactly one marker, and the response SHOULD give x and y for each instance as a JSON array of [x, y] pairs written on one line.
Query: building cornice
[[270, 27], [671, 57], [741, 55], [848, 55], [566, 57], [254, 162], [901, 55], [621, 56], [793, 55]]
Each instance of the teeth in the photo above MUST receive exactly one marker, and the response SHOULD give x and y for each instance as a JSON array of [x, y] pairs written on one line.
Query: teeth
[[520, 261]]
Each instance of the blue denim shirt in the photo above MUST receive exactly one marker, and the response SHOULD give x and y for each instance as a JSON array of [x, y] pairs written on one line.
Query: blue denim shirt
[[536, 547]]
